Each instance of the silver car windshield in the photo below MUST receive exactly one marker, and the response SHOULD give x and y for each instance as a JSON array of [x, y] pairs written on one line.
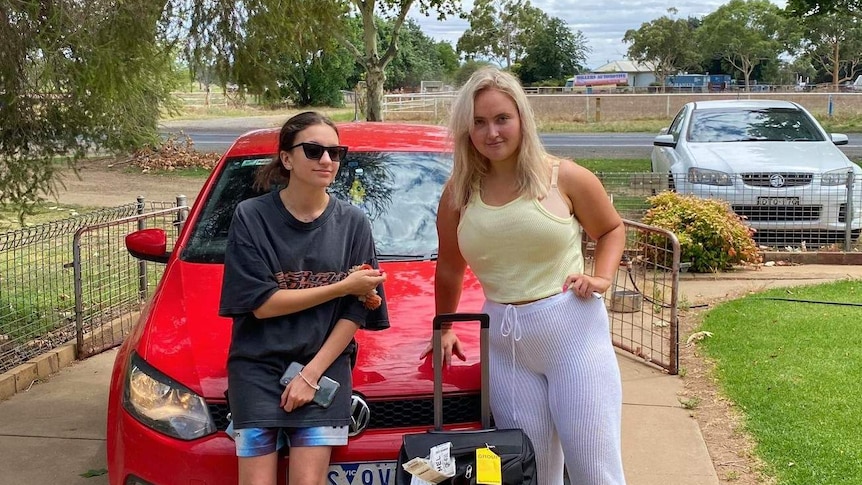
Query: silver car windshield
[[398, 190], [743, 125]]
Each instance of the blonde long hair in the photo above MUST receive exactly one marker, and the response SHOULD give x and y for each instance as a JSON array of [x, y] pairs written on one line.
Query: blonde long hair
[[533, 168]]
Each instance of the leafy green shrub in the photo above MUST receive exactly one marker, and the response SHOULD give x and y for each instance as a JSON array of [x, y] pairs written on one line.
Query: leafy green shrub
[[711, 236]]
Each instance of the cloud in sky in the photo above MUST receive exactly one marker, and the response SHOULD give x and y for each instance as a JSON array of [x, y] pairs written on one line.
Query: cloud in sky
[[603, 23]]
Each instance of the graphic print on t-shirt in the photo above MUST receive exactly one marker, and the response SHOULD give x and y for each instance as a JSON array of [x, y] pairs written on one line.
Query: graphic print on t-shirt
[[297, 280]]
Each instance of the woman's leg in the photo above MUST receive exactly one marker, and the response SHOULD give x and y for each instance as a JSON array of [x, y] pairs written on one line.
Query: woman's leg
[[519, 398], [258, 470], [565, 341], [310, 452], [257, 453], [308, 465], [585, 394]]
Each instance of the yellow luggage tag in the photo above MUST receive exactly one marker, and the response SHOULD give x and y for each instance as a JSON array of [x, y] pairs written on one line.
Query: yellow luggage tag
[[488, 468]]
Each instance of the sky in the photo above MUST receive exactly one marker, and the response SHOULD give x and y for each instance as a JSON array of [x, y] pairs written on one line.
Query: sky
[[603, 23]]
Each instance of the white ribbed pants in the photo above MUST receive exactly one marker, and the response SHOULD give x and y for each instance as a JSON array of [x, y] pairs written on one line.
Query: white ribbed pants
[[554, 374]]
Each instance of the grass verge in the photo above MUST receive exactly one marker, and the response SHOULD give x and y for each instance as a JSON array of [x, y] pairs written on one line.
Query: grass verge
[[42, 212], [792, 368]]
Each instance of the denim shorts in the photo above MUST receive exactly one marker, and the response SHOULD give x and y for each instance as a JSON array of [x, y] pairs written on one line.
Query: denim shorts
[[263, 441]]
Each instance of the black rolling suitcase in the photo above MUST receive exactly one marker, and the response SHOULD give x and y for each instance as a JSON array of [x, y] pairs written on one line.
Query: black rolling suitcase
[[517, 458]]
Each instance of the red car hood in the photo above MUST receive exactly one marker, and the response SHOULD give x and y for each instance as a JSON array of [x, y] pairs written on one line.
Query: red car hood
[[186, 339]]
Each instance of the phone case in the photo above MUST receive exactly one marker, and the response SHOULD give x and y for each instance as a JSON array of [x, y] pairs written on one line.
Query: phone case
[[323, 396]]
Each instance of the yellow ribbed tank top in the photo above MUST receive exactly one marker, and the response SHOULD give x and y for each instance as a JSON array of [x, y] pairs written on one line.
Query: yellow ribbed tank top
[[519, 251]]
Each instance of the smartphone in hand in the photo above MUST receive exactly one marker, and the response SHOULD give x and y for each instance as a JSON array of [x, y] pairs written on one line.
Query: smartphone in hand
[[323, 396]]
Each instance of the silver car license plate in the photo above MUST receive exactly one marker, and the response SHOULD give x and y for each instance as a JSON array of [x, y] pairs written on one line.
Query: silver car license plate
[[777, 201]]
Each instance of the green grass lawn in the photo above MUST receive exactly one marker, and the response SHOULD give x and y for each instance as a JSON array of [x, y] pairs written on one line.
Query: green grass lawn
[[795, 370], [42, 212]]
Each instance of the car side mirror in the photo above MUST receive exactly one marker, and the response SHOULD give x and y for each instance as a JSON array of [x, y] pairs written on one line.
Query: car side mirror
[[839, 138], [149, 245], [664, 141]]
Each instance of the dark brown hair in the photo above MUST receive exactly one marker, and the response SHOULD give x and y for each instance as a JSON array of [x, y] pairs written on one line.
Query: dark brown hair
[[274, 173]]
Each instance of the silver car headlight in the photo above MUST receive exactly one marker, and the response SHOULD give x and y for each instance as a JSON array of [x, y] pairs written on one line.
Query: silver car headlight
[[163, 404], [708, 177], [835, 177]]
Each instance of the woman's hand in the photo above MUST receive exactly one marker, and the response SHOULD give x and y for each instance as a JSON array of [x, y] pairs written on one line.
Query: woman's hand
[[296, 394], [584, 285], [362, 281], [451, 346]]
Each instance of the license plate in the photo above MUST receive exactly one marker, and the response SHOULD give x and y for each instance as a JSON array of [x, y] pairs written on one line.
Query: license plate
[[373, 473], [778, 201]]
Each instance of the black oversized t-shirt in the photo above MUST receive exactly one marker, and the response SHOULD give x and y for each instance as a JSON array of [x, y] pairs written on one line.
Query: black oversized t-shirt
[[267, 250]]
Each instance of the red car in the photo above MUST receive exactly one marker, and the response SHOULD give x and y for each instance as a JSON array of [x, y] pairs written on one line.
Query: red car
[[167, 410]]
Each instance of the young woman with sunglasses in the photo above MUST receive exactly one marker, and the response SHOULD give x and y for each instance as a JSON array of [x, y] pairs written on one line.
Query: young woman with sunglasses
[[290, 287]]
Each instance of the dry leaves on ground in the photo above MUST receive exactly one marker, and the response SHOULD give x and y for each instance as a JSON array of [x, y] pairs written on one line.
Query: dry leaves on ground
[[177, 151]]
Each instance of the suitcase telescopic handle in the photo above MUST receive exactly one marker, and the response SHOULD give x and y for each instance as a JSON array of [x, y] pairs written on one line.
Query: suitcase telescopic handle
[[437, 344]]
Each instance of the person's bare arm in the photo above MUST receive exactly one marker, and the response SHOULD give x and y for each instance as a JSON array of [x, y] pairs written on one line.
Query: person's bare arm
[[449, 273], [285, 302], [299, 392], [597, 215]]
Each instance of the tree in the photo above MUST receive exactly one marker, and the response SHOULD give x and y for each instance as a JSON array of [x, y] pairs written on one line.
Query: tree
[[555, 54], [833, 43], [807, 8], [418, 59], [664, 43], [304, 26], [744, 33], [500, 31], [76, 77]]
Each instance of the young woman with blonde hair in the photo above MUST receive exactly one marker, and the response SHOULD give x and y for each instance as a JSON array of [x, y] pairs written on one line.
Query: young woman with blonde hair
[[514, 214]]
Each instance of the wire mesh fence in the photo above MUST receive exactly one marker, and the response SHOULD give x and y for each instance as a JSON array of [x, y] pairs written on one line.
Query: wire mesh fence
[[643, 299], [37, 282], [796, 211], [110, 285]]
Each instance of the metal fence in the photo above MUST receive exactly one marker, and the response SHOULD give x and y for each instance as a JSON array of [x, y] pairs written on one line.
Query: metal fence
[[110, 285], [644, 298], [807, 211], [38, 308]]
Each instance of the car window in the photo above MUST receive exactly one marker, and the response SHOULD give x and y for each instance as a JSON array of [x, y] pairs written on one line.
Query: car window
[[675, 127], [398, 190], [735, 125]]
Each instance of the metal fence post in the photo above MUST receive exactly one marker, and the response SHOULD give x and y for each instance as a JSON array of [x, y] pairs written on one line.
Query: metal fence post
[[79, 293], [848, 212], [182, 201], [142, 265]]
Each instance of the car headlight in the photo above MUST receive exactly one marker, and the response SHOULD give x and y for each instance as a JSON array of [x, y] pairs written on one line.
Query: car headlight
[[163, 404], [835, 177], [708, 177]]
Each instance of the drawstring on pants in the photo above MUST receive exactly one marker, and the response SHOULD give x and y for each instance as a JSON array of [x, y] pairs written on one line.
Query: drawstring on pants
[[511, 327]]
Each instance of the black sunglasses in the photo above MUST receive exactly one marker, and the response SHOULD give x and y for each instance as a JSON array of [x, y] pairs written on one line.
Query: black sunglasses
[[313, 151]]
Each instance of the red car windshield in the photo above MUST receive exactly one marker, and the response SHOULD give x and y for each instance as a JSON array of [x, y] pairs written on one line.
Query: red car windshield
[[398, 190]]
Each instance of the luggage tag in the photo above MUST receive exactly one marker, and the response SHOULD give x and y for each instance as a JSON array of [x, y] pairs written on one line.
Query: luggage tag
[[488, 468]]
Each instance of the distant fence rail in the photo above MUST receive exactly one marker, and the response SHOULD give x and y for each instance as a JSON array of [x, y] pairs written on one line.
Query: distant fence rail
[[579, 107], [40, 308]]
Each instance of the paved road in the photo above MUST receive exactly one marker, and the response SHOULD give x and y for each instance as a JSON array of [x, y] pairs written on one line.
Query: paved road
[[217, 135]]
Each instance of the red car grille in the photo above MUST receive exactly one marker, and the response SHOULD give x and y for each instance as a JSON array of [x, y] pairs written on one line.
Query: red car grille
[[403, 413]]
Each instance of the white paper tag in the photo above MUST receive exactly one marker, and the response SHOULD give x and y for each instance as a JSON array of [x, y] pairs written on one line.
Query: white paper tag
[[437, 467]]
